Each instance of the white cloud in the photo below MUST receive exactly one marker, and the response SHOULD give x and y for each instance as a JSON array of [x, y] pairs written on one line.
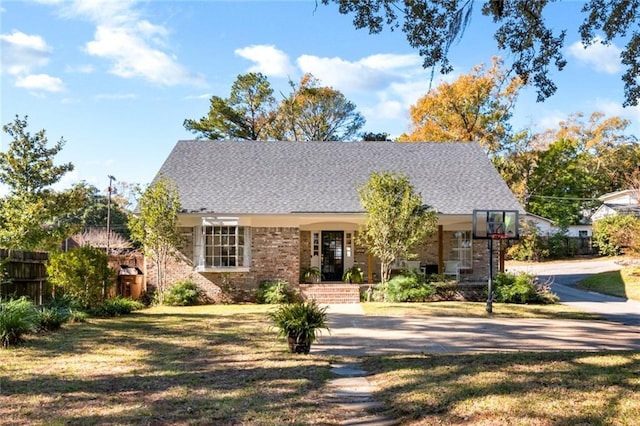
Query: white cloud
[[268, 60], [21, 52], [40, 82], [135, 47], [603, 58], [369, 73], [133, 57], [612, 109]]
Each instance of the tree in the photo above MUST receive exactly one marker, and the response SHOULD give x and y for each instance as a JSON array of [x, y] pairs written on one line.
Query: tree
[[316, 113], [559, 173], [248, 111], [93, 215], [82, 273], [433, 26], [475, 107], [156, 227], [30, 215], [376, 137], [617, 234], [396, 218]]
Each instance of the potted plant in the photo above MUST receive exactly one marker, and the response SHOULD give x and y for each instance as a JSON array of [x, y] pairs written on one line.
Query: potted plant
[[301, 323], [311, 275], [353, 275]]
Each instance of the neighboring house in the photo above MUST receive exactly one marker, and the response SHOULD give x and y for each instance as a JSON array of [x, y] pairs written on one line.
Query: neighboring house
[[256, 211], [548, 227], [619, 202]]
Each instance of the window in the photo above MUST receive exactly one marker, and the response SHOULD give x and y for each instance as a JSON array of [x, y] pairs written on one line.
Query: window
[[583, 234], [224, 246]]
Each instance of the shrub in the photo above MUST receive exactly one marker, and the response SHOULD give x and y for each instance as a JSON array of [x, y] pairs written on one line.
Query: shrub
[[82, 273], [613, 235], [300, 323], [531, 246], [521, 288], [116, 307], [17, 317], [409, 286], [278, 291], [183, 293], [52, 318]]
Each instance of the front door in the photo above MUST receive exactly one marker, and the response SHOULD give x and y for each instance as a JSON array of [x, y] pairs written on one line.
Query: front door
[[332, 255]]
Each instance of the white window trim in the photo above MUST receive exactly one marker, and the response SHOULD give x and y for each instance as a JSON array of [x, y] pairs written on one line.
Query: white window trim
[[199, 249]]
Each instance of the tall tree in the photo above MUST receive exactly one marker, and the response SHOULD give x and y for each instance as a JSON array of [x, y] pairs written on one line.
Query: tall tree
[[156, 227], [248, 111], [475, 107], [31, 214], [559, 173], [316, 113], [433, 26], [396, 218]]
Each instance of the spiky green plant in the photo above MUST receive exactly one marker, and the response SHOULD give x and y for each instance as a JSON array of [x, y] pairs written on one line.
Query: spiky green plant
[[301, 323], [17, 317]]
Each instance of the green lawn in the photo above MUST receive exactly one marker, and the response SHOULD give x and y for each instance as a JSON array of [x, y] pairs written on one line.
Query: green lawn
[[624, 283], [223, 365]]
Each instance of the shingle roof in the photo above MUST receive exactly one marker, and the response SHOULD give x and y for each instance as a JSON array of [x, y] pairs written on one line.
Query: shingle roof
[[284, 177]]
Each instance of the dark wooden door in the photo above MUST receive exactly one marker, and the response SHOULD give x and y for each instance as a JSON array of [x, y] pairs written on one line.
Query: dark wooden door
[[332, 255]]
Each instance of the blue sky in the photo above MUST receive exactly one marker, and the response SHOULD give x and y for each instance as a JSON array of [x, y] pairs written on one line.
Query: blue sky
[[116, 79]]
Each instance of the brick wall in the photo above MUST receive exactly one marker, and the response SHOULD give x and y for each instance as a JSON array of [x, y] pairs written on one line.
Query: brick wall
[[275, 254]]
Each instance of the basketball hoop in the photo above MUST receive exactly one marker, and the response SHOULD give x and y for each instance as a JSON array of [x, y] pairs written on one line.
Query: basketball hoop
[[494, 225]]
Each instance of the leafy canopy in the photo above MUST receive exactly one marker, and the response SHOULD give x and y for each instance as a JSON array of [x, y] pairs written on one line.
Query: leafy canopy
[[246, 114], [536, 47], [396, 218], [32, 214], [475, 107], [311, 112], [155, 227]]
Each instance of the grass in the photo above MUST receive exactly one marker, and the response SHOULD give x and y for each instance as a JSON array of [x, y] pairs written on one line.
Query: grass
[[197, 365], [477, 310], [223, 365], [623, 283], [561, 388]]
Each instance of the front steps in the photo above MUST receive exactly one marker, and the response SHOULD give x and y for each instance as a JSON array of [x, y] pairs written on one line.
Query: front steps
[[331, 293]]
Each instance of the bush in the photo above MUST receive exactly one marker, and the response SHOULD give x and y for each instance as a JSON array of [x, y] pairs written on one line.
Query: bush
[[531, 246], [52, 318], [82, 273], [183, 293], [616, 234], [521, 288], [276, 292], [17, 317], [300, 323], [409, 286], [116, 307]]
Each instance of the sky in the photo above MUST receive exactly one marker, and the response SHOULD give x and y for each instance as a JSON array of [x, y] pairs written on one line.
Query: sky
[[117, 78]]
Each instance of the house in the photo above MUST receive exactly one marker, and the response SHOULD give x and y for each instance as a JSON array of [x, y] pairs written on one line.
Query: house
[[619, 202], [548, 227], [255, 211]]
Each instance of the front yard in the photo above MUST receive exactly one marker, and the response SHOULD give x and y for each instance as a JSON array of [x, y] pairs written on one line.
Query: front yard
[[223, 365]]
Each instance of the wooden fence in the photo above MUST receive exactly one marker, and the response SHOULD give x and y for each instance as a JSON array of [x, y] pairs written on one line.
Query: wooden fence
[[24, 274]]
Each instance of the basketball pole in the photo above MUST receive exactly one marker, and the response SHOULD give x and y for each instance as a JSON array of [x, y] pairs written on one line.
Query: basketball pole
[[490, 286]]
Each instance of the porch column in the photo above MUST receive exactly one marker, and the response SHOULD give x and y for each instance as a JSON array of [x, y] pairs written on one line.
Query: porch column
[[440, 249]]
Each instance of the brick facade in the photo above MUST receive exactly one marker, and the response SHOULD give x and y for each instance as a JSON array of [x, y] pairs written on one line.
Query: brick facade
[[279, 253], [275, 255]]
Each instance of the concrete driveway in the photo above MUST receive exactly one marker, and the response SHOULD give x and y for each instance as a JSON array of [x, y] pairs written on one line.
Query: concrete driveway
[[356, 334], [565, 275]]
